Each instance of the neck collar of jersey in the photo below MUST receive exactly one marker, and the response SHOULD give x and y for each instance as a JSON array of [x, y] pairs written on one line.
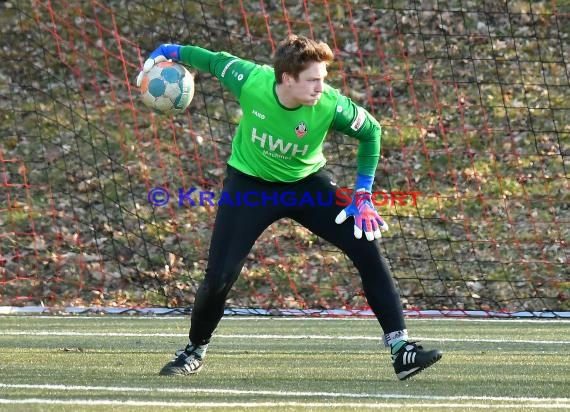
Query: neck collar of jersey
[[279, 102]]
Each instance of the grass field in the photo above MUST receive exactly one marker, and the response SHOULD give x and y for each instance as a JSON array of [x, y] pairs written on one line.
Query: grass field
[[91, 363]]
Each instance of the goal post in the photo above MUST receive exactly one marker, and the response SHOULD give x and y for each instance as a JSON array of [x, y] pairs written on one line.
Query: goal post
[[472, 97]]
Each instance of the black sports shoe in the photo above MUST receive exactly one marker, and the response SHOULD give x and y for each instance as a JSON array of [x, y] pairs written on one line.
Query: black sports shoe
[[186, 362], [412, 359]]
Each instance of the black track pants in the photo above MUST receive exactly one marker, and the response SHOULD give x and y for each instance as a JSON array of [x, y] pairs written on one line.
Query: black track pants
[[261, 203]]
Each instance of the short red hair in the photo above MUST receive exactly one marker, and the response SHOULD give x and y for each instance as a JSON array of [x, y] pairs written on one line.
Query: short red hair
[[296, 53]]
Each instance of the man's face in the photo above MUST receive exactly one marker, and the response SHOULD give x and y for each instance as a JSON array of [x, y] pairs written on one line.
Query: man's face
[[308, 88]]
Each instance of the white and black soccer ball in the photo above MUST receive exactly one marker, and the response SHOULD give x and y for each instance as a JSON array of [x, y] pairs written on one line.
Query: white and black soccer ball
[[167, 88]]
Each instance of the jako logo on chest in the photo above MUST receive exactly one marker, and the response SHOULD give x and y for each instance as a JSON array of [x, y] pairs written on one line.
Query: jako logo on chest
[[258, 114]]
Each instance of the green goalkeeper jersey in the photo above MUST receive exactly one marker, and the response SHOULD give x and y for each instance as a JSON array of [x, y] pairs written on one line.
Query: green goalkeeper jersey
[[276, 143]]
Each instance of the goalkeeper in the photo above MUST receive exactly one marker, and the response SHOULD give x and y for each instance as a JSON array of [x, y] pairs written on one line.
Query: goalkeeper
[[288, 110]]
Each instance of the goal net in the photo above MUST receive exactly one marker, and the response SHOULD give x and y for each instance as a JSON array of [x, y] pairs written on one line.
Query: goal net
[[472, 96]]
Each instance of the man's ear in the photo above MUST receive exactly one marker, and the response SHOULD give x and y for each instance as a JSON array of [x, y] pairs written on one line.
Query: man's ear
[[287, 79]]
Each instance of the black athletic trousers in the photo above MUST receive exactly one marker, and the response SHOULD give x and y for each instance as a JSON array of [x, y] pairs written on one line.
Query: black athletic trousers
[[250, 205]]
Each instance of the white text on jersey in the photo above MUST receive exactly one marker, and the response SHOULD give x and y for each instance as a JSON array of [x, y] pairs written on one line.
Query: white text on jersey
[[257, 114], [274, 145]]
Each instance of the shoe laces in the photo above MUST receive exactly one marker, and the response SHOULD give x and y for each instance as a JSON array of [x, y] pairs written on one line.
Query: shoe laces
[[414, 344], [188, 351]]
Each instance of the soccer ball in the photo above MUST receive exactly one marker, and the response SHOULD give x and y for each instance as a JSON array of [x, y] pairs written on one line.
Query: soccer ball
[[167, 88]]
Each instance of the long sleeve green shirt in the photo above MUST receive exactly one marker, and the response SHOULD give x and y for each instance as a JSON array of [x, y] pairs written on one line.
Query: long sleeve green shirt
[[276, 143]]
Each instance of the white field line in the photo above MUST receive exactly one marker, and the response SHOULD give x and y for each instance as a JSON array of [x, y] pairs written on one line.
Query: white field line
[[372, 319], [291, 394], [249, 318], [249, 405], [275, 337]]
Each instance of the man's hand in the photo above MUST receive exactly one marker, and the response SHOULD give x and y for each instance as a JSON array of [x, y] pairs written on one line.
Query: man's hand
[[162, 53], [365, 216]]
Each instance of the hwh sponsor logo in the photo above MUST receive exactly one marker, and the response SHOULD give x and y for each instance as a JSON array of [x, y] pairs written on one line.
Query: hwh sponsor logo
[[277, 145]]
